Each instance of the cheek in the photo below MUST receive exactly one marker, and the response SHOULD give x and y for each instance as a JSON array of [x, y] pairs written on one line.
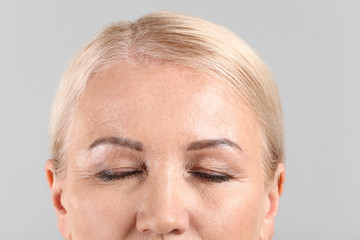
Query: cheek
[[99, 213], [235, 214]]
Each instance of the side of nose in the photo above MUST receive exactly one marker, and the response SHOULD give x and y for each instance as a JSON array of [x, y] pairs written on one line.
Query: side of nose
[[162, 208]]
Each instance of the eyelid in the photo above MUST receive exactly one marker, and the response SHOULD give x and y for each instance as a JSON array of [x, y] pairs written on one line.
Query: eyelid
[[101, 159], [222, 162], [113, 175], [210, 165], [211, 176]]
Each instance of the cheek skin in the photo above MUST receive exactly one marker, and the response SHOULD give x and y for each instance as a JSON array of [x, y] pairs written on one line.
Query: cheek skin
[[96, 212], [242, 213], [236, 208]]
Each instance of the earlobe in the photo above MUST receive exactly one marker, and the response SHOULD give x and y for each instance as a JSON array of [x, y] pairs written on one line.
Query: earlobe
[[57, 197], [272, 203]]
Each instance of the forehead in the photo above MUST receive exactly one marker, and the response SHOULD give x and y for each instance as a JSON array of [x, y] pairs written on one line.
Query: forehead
[[160, 101], [147, 84], [153, 82]]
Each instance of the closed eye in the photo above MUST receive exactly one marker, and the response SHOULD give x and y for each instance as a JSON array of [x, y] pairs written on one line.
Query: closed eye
[[211, 177], [110, 175]]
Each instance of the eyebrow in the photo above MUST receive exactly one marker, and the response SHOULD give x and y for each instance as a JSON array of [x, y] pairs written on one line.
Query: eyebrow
[[138, 146], [119, 141], [198, 145]]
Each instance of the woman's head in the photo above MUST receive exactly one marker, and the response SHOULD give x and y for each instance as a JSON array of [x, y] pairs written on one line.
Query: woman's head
[[172, 123]]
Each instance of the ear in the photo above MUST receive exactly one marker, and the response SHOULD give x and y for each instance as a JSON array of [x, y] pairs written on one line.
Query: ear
[[272, 203], [57, 197]]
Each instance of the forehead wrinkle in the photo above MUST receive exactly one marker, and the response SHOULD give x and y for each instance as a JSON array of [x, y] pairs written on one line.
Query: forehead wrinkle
[[210, 90]]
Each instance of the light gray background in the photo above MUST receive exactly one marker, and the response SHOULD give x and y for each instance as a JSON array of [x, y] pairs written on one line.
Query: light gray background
[[312, 48]]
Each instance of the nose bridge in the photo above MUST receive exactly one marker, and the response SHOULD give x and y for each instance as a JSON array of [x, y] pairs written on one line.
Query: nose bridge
[[163, 208], [163, 194]]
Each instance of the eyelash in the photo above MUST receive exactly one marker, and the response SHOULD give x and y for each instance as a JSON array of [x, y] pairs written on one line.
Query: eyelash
[[108, 176], [215, 178]]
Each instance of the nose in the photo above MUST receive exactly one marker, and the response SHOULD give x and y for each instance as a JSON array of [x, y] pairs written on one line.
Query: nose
[[163, 207]]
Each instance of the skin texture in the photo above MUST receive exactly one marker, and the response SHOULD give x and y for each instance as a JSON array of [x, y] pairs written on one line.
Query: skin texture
[[160, 124]]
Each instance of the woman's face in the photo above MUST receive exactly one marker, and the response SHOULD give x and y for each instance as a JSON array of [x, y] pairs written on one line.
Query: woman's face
[[161, 152]]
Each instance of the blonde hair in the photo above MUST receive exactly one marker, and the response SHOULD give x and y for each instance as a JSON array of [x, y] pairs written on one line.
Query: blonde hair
[[176, 39]]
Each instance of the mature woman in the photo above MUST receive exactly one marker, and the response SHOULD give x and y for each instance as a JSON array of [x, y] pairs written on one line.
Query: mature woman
[[169, 127]]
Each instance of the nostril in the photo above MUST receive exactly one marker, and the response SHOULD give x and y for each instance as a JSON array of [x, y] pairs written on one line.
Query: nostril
[[174, 231], [146, 231], [159, 224], [177, 231]]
